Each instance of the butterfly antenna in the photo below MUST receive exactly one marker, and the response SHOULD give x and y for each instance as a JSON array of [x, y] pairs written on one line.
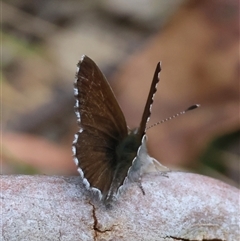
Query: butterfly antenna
[[174, 116]]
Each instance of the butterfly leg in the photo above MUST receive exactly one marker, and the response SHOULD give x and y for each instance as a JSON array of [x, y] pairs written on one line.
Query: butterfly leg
[[161, 169], [140, 185]]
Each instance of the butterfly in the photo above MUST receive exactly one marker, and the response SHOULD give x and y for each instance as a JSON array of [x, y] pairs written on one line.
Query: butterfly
[[105, 150]]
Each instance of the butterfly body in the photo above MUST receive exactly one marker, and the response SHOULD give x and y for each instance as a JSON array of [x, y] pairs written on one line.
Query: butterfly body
[[105, 151]]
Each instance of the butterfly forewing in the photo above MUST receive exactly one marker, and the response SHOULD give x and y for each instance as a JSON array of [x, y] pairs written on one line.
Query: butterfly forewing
[[147, 109], [102, 125]]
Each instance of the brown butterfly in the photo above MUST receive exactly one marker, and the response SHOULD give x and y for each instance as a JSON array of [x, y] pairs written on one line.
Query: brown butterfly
[[104, 149]]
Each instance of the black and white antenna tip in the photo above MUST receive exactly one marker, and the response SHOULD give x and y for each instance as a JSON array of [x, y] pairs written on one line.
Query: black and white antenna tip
[[192, 107]]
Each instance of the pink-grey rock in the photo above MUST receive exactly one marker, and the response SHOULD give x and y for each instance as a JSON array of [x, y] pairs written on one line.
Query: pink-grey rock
[[183, 206]]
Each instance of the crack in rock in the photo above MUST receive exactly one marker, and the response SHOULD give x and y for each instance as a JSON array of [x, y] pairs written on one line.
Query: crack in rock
[[95, 223], [184, 239]]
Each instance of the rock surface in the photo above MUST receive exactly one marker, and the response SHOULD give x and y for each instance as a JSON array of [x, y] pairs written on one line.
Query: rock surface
[[183, 206]]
